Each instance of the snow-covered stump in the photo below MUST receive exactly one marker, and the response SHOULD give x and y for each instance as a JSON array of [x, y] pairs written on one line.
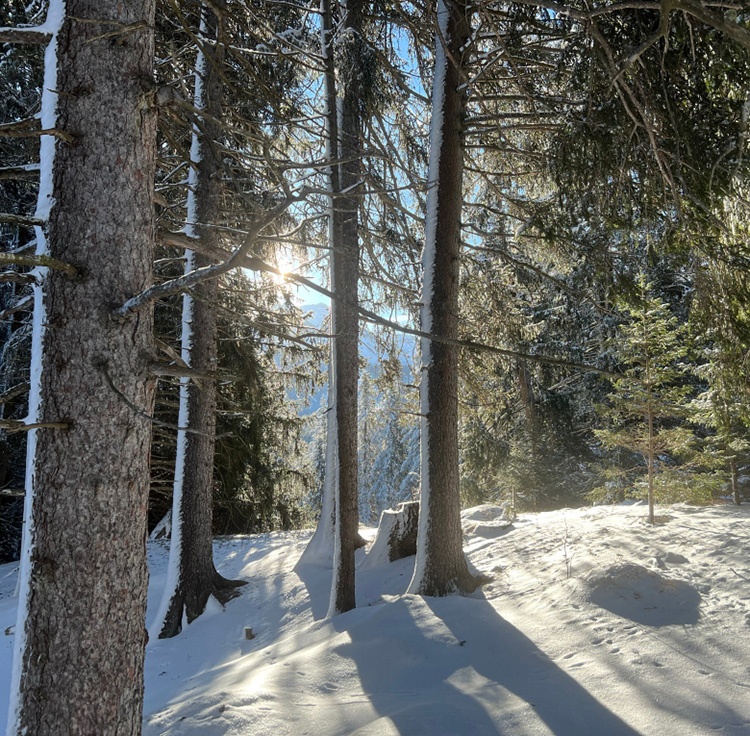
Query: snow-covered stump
[[397, 534]]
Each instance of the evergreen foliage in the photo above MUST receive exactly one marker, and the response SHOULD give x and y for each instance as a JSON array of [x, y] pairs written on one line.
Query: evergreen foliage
[[646, 405]]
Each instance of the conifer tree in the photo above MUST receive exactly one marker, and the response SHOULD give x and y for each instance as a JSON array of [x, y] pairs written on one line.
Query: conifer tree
[[440, 567], [650, 395], [192, 576], [80, 637]]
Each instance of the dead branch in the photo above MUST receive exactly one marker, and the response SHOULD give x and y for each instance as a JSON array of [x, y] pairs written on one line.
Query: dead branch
[[11, 277], [24, 35], [18, 307], [19, 172], [12, 393], [8, 218], [238, 258], [181, 371], [31, 128], [23, 259], [11, 425]]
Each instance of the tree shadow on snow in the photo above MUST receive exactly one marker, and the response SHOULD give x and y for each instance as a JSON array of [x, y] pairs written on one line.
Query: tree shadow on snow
[[454, 666], [646, 597]]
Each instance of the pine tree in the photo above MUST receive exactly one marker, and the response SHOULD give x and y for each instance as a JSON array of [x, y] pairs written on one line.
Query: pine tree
[[192, 576], [647, 402], [724, 410], [81, 616], [440, 567]]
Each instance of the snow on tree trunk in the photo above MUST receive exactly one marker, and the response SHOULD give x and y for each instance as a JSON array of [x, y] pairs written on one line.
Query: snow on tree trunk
[[80, 634], [55, 15], [345, 280], [320, 550], [441, 567], [192, 576], [397, 535]]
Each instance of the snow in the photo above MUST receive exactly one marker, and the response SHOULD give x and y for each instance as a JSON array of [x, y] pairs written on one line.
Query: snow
[[595, 623]]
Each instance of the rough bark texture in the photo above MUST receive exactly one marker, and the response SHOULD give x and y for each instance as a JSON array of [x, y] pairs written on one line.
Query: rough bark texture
[[345, 279], [197, 577], [321, 546], [444, 569], [84, 634]]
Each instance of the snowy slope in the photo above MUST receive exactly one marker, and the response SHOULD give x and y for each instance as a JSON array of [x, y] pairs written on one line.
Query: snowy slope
[[594, 623]]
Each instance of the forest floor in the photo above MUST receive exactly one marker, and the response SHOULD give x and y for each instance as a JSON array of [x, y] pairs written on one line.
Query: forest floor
[[595, 623]]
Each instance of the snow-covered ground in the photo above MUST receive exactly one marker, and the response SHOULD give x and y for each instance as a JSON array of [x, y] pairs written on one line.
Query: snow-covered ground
[[595, 623]]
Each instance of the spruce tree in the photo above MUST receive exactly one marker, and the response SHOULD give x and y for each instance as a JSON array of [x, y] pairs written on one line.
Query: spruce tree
[[651, 394]]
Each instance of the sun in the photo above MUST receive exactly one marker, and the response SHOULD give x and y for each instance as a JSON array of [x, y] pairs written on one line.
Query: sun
[[285, 265]]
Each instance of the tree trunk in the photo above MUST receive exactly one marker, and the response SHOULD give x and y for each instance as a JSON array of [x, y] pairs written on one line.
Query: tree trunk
[[192, 576], [345, 280], [651, 452], [320, 550], [441, 567], [735, 481], [80, 634]]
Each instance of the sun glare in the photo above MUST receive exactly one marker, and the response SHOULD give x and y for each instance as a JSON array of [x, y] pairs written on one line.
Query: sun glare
[[285, 266]]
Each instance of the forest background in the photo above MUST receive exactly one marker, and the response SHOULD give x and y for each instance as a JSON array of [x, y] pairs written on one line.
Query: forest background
[[551, 198], [604, 216]]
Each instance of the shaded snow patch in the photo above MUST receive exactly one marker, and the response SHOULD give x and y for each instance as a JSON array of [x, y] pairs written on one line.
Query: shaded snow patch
[[643, 596]]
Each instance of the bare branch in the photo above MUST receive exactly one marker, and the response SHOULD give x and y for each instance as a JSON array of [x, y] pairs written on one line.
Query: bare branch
[[180, 371], [18, 307], [137, 410], [22, 259], [31, 128], [11, 277], [19, 172], [11, 425], [238, 258], [12, 393], [8, 218], [25, 35]]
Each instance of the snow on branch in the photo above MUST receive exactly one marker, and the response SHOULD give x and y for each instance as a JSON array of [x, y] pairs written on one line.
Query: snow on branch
[[19, 172], [19, 306]]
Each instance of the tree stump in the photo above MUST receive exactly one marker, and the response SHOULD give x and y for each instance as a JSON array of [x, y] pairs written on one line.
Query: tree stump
[[397, 534]]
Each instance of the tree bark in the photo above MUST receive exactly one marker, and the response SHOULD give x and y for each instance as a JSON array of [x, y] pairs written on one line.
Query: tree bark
[[320, 550], [193, 577], [441, 566], [345, 280], [80, 633]]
